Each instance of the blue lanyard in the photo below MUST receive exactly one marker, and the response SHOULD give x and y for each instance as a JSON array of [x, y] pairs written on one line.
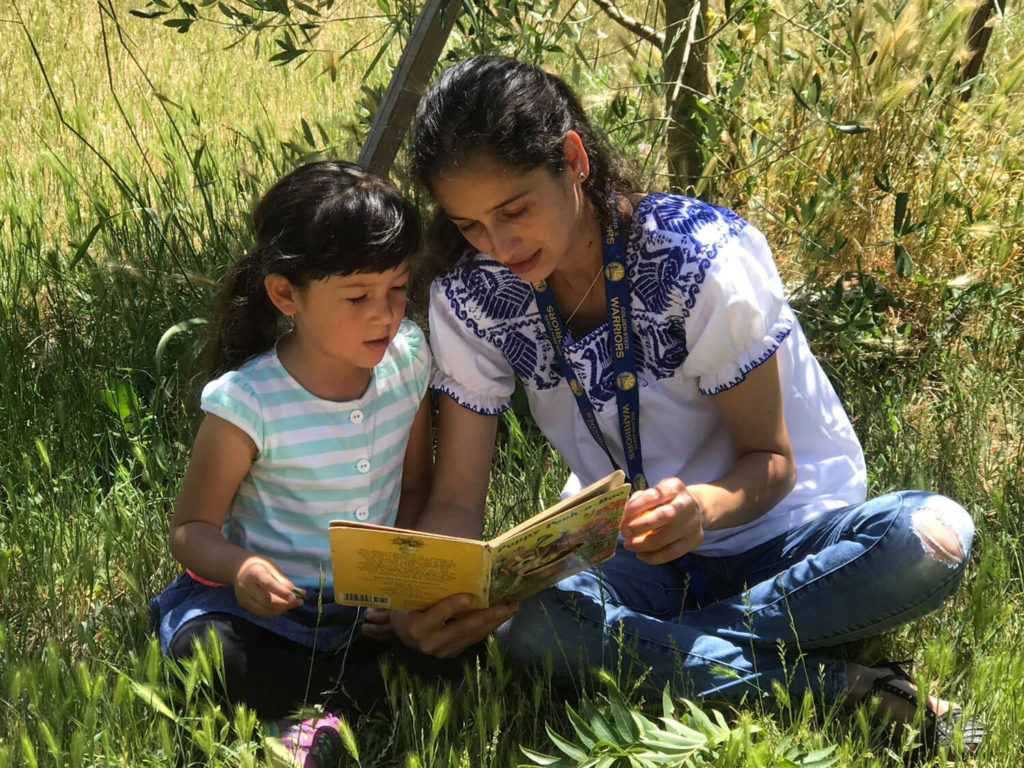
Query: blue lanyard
[[620, 342]]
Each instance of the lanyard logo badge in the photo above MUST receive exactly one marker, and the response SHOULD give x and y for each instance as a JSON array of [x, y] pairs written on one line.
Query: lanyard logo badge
[[576, 387], [540, 286], [615, 271], [625, 381]]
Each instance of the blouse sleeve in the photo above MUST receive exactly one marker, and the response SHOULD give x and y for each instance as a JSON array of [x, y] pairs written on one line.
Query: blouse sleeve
[[232, 399], [467, 367], [741, 316]]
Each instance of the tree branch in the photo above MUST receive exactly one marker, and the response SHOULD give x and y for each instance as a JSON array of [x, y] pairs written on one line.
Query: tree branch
[[637, 27]]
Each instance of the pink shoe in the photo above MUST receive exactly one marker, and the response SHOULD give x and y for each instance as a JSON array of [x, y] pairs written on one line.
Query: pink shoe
[[311, 743]]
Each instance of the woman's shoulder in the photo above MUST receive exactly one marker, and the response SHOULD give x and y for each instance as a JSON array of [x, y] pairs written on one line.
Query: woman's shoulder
[[664, 219], [479, 289]]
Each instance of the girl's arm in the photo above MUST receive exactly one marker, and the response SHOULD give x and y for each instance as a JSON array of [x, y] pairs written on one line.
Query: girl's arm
[[668, 520], [456, 507], [417, 469], [221, 457]]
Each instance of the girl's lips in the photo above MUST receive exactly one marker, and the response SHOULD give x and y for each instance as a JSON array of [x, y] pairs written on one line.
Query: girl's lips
[[380, 343], [524, 266]]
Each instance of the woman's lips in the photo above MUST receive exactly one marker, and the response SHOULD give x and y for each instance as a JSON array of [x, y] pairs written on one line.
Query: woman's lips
[[524, 266]]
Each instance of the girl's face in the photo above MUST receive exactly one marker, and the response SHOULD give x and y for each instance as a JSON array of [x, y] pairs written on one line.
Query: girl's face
[[351, 318], [527, 221]]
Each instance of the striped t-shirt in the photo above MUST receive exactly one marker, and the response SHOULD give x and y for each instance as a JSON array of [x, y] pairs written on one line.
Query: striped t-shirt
[[318, 460]]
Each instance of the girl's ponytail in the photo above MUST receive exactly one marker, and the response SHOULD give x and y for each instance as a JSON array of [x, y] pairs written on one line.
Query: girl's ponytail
[[245, 323]]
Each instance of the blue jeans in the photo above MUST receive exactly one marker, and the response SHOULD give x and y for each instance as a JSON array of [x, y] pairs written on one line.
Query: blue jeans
[[730, 626]]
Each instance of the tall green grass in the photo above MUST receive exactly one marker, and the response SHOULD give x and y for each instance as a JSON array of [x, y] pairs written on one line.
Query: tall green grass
[[126, 177]]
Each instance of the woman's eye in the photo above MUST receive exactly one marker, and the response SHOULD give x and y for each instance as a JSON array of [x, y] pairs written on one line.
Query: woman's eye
[[466, 228], [357, 299], [516, 213]]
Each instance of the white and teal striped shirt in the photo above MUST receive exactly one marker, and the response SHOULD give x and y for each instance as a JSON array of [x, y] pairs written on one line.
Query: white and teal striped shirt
[[318, 460]]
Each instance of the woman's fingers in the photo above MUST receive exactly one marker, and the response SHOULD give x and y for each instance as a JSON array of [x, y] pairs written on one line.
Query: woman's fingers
[[662, 532], [446, 628]]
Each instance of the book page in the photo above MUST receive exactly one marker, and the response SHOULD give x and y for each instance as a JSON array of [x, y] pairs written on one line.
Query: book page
[[382, 567], [602, 486], [557, 547]]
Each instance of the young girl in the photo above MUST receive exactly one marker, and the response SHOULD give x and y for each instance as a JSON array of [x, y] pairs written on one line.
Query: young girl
[[324, 422], [652, 333]]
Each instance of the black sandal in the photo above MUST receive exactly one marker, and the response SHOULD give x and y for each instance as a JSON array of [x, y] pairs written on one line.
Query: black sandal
[[937, 730]]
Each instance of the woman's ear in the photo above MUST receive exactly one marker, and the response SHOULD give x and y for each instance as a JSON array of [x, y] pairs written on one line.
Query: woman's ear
[[282, 293], [576, 161]]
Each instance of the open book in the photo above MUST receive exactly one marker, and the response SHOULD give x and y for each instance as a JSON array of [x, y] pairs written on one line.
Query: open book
[[397, 568]]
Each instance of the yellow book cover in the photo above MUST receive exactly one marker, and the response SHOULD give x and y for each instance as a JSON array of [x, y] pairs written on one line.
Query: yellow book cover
[[397, 568]]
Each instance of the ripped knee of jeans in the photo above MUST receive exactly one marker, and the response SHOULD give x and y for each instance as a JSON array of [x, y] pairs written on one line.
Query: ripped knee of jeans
[[945, 530]]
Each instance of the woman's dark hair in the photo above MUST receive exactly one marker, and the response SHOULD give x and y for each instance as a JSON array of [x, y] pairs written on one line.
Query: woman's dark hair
[[323, 218], [514, 113]]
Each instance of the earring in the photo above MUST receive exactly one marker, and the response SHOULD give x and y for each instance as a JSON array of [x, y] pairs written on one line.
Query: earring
[[582, 175]]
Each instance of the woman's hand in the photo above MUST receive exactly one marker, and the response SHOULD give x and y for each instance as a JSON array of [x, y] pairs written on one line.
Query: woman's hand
[[263, 590], [662, 523], [437, 632]]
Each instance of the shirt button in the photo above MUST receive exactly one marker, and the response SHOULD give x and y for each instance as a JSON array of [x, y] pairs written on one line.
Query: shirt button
[[356, 417], [362, 513], [363, 465]]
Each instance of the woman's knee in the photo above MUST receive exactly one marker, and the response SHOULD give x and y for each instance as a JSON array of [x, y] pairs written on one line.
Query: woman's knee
[[944, 529]]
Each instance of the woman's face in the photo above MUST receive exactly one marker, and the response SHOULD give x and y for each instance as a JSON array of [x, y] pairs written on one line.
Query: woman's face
[[526, 220]]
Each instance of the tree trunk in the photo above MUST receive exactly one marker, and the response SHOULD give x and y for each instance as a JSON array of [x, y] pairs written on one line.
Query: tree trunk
[[684, 57], [978, 34]]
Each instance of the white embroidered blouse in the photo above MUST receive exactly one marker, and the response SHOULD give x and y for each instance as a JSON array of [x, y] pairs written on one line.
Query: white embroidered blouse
[[707, 308]]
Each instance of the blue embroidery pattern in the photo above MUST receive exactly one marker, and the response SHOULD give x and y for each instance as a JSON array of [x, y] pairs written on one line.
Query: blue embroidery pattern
[[673, 242]]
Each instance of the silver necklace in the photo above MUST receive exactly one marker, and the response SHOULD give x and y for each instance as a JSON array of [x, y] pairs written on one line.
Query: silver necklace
[[589, 289]]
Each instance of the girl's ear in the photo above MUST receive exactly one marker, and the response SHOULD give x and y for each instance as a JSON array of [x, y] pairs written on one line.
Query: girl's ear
[[282, 293], [576, 161]]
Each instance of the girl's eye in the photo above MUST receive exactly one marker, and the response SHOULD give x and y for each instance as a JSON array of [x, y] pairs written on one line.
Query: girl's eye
[[357, 299], [516, 213], [464, 228], [402, 288]]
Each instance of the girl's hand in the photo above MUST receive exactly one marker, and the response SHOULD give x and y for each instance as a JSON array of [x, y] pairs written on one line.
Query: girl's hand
[[436, 632], [662, 523], [377, 625], [263, 590]]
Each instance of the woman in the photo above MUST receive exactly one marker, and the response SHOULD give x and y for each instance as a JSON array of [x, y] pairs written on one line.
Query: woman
[[651, 333]]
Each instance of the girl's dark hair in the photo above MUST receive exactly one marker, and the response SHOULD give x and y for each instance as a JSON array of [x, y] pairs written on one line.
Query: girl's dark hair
[[323, 218], [516, 114]]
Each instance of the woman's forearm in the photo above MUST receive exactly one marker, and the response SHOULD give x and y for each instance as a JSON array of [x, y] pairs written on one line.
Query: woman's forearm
[[755, 483]]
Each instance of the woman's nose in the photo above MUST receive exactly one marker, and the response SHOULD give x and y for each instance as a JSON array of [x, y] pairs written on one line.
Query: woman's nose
[[504, 242]]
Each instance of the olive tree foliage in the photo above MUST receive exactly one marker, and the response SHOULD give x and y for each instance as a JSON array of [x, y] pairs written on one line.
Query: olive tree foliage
[[642, 64], [652, 70]]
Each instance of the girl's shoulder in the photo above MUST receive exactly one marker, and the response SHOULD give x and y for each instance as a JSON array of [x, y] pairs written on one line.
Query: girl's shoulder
[[408, 356], [249, 379]]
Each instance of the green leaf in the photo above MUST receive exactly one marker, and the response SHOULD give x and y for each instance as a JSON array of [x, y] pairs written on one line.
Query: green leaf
[[904, 264], [307, 133], [585, 733], [541, 759], [146, 14], [899, 212], [570, 749], [80, 251]]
